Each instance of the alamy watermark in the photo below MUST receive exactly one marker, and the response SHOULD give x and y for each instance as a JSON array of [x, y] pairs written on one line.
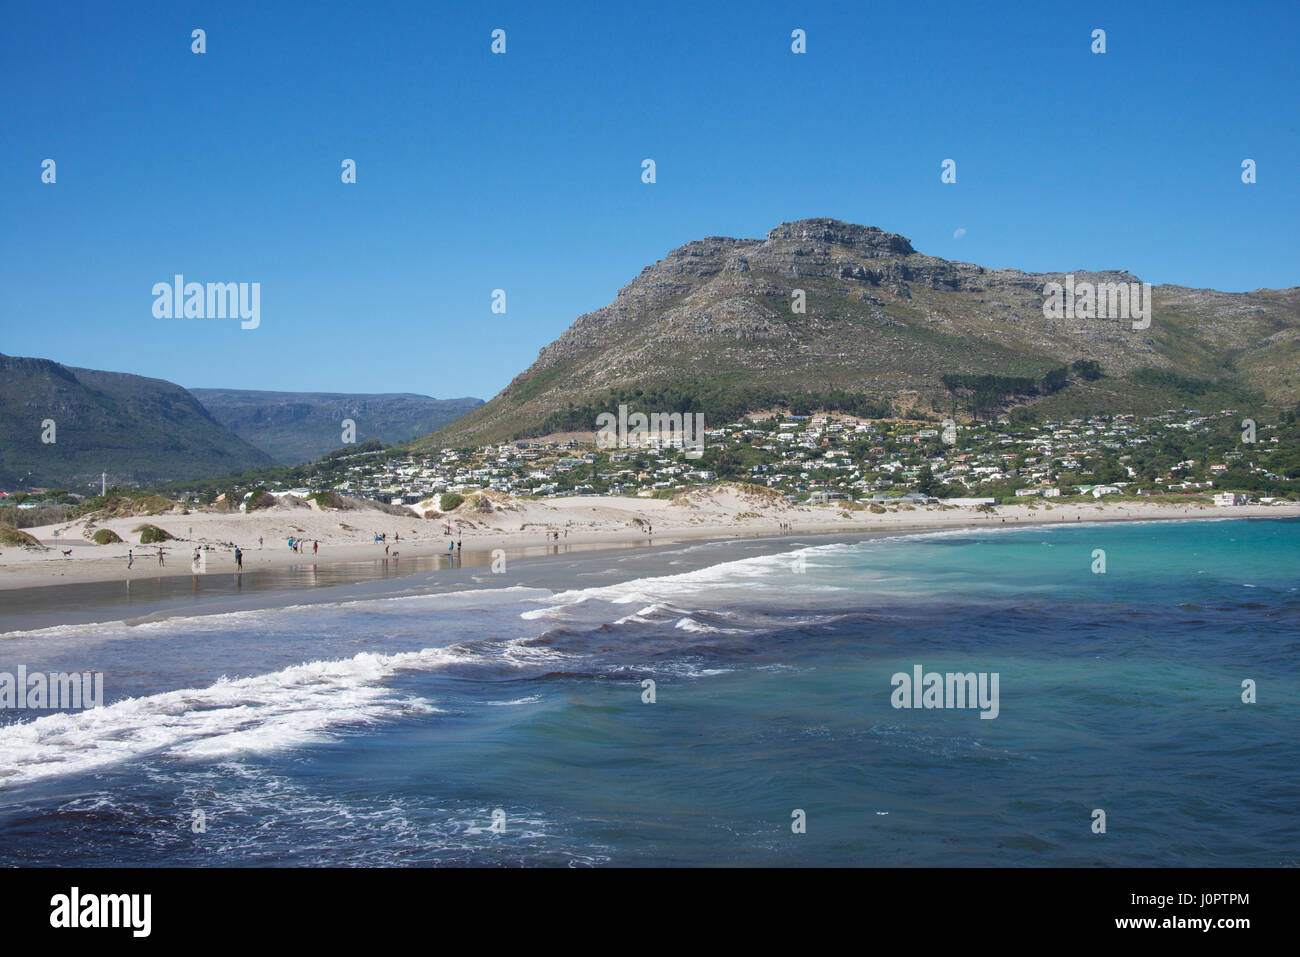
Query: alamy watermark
[[76, 909], [57, 691], [1103, 300], [930, 689], [657, 430], [179, 299]]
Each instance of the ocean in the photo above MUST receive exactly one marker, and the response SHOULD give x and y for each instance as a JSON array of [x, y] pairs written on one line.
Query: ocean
[[710, 704]]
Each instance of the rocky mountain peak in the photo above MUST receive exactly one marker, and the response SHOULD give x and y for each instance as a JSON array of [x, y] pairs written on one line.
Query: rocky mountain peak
[[867, 240]]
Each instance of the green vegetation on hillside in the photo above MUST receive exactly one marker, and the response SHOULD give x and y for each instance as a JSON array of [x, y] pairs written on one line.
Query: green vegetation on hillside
[[718, 403]]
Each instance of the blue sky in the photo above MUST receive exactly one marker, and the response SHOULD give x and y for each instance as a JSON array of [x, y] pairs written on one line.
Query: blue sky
[[523, 171]]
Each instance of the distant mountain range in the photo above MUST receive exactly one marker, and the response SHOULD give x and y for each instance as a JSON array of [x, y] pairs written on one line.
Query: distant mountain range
[[294, 427], [713, 327], [62, 427], [138, 430]]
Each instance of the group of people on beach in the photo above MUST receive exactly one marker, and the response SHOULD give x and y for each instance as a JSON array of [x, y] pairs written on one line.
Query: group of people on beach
[[787, 527], [195, 560], [130, 557], [298, 544]]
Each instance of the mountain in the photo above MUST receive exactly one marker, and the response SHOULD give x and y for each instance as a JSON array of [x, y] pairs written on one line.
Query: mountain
[[710, 327], [138, 430], [294, 427]]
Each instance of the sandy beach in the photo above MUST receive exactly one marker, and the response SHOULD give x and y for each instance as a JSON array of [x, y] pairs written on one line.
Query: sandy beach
[[345, 536]]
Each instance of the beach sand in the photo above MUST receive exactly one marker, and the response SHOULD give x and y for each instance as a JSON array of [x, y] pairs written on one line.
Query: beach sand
[[344, 536]]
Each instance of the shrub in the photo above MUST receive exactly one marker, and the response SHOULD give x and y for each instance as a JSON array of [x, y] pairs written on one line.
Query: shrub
[[261, 499], [449, 501], [121, 504], [152, 534], [877, 509], [45, 515], [106, 536], [11, 536], [324, 499]]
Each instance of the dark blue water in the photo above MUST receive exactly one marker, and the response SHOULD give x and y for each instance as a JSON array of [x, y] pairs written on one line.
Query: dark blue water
[[391, 731]]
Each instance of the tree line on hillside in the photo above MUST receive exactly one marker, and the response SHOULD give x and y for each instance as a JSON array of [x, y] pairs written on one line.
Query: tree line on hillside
[[988, 392]]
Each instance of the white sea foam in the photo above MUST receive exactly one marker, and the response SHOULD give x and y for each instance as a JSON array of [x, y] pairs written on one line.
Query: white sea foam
[[742, 573], [694, 626], [298, 705]]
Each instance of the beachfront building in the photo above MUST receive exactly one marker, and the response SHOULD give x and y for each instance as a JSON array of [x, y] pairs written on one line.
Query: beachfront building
[[1229, 498], [825, 498]]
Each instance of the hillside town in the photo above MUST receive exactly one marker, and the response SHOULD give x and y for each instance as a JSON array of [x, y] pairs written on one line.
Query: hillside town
[[836, 457]]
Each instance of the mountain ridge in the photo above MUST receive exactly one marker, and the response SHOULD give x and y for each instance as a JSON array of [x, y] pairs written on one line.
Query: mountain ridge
[[294, 427], [885, 321], [137, 429]]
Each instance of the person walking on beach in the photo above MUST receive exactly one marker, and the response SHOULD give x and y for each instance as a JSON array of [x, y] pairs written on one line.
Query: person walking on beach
[[160, 555], [239, 559], [130, 558], [259, 541], [457, 546], [315, 546]]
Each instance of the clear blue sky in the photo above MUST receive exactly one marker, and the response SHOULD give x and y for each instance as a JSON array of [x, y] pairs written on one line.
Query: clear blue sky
[[523, 171]]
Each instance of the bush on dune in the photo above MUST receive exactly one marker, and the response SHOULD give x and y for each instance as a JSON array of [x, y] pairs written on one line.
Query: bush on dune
[[261, 499], [12, 536], [152, 534]]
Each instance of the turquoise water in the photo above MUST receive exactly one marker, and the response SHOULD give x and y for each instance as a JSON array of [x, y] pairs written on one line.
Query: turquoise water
[[390, 730]]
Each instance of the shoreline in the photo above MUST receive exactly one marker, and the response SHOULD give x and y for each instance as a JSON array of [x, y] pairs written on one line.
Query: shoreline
[[420, 544]]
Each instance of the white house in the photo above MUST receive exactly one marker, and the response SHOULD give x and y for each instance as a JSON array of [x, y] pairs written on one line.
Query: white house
[[1229, 498]]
